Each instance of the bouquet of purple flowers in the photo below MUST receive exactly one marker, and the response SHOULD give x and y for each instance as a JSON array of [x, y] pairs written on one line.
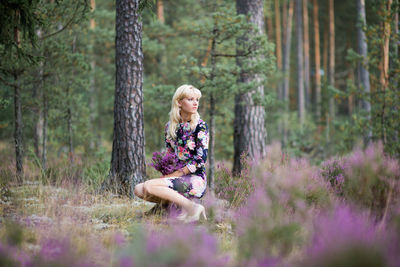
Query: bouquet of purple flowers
[[166, 162]]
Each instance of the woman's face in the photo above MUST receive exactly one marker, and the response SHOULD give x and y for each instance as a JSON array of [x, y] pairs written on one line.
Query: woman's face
[[189, 104]]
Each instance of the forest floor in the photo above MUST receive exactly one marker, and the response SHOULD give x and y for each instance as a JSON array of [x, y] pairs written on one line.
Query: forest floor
[[44, 211]]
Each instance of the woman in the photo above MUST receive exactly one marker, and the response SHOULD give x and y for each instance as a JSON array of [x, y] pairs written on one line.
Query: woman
[[186, 135]]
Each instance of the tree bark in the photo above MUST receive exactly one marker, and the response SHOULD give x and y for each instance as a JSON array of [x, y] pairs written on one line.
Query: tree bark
[[300, 62], [94, 94], [19, 149], [363, 66], [210, 178], [384, 64], [317, 61], [286, 70], [160, 11], [128, 155], [249, 130], [278, 36], [37, 95], [331, 75], [44, 134], [306, 41], [18, 137]]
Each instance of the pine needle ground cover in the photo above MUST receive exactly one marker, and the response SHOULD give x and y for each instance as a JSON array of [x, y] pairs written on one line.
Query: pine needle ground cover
[[280, 211]]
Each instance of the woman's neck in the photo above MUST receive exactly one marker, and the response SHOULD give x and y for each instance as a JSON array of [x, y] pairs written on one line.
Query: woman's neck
[[185, 117]]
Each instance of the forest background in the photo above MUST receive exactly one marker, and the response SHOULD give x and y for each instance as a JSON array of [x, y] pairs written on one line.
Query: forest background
[[319, 78], [67, 80]]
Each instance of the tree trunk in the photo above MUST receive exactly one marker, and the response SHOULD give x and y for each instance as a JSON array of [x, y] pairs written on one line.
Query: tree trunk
[[270, 27], [44, 134], [331, 75], [249, 130], [37, 95], [96, 138], [278, 42], [300, 62], [128, 155], [286, 70], [363, 71], [210, 178], [317, 62], [306, 40], [70, 133], [278, 36], [19, 149], [395, 65], [69, 113], [160, 11], [384, 64]]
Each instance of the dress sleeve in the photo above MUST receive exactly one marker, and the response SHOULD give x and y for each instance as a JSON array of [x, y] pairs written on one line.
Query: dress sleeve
[[201, 140], [168, 142]]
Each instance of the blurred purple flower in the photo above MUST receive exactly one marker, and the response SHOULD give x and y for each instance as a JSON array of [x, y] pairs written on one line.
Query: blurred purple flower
[[166, 162], [53, 249], [345, 234]]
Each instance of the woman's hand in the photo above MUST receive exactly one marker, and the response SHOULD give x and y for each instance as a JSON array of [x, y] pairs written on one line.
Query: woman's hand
[[178, 173]]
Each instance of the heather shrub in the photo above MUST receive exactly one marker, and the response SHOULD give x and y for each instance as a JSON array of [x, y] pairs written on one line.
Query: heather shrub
[[21, 247], [271, 223], [234, 189], [333, 171], [181, 245], [368, 178], [371, 178], [345, 237]]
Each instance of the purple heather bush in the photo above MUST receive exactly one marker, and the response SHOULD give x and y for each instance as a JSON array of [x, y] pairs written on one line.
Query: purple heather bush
[[181, 245], [368, 178], [166, 162], [271, 223], [346, 237]]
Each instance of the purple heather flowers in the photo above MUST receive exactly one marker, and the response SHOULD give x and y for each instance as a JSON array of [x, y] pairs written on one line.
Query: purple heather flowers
[[166, 162]]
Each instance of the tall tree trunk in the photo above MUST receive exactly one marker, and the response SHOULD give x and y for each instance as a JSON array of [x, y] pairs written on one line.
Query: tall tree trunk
[[270, 27], [317, 61], [128, 155], [300, 62], [363, 66], [69, 113], [286, 70], [19, 149], [210, 178], [278, 35], [160, 11], [396, 65], [94, 94], [70, 132], [19, 146], [306, 40], [249, 130], [37, 95], [44, 134], [331, 75], [384, 64]]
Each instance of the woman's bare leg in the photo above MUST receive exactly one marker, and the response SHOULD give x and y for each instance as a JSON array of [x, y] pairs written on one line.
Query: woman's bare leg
[[158, 188], [139, 192]]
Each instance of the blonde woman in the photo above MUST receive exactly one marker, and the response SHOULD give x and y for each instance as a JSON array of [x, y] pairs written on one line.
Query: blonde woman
[[186, 135]]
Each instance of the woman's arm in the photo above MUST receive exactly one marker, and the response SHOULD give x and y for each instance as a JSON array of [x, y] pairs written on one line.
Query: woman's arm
[[201, 142], [178, 173]]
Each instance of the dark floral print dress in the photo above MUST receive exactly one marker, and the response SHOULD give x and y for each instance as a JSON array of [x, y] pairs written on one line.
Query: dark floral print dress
[[190, 147]]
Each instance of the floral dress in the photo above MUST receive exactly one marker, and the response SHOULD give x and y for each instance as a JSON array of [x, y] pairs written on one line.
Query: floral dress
[[191, 147]]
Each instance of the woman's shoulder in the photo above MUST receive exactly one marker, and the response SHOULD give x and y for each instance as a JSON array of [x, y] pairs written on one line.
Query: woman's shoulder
[[201, 125]]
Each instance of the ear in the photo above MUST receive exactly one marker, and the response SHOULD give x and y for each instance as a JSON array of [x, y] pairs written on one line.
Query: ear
[[179, 103]]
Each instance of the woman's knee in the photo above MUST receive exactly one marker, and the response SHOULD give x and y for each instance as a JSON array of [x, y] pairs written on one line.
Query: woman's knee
[[139, 190], [147, 188]]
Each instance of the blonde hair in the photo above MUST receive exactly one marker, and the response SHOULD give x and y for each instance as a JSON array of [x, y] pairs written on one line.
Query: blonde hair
[[182, 92]]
